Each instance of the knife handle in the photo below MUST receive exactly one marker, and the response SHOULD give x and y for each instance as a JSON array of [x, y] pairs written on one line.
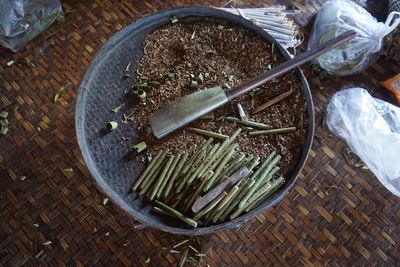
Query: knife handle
[[289, 65]]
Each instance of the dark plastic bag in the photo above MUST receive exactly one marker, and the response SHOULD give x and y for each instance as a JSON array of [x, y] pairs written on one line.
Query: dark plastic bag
[[22, 20]]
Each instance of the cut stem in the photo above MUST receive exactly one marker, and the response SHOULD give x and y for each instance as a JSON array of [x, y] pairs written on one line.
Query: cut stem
[[274, 186], [168, 175], [177, 214], [198, 191], [224, 204], [196, 173], [161, 177], [175, 174], [156, 166], [220, 167], [254, 124], [242, 114], [273, 131], [220, 150], [139, 147], [260, 175], [273, 101], [209, 207], [207, 133], [112, 125], [194, 156], [146, 171]]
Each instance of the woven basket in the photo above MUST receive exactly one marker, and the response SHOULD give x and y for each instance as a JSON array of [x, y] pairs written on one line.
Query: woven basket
[[394, 5]]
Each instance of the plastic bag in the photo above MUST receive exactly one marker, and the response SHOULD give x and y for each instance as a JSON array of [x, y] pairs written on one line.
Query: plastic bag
[[371, 128], [22, 20], [339, 16]]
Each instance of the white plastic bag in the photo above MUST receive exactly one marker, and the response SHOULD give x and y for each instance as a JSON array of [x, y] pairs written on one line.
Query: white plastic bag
[[22, 20], [338, 16], [371, 128]]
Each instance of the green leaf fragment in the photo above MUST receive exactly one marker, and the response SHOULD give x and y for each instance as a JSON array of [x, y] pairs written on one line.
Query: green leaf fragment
[[174, 19], [115, 110], [3, 114]]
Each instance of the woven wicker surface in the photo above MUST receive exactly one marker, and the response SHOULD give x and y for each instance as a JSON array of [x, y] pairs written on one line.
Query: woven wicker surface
[[335, 215]]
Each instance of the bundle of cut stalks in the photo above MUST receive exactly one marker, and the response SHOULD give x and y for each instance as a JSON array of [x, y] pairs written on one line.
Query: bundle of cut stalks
[[174, 182]]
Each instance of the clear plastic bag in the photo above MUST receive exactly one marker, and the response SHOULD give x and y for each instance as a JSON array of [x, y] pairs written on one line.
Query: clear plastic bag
[[22, 20], [336, 17], [371, 128]]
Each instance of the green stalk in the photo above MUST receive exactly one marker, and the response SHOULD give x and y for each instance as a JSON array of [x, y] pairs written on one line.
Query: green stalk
[[273, 131], [255, 195], [139, 147], [239, 162], [209, 207], [274, 186], [198, 191], [264, 188], [243, 186], [254, 124], [168, 175], [254, 163], [268, 164], [150, 181], [220, 167], [195, 155], [234, 163], [146, 171], [175, 174], [221, 149], [161, 178], [177, 214], [161, 211], [223, 205], [207, 133], [183, 180], [196, 173], [245, 189], [187, 178], [155, 167]]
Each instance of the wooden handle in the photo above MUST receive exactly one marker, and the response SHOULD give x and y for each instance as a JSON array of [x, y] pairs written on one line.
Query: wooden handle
[[289, 65]]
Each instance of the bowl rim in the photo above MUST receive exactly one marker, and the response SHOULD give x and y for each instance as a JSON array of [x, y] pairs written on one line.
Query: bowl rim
[[182, 13]]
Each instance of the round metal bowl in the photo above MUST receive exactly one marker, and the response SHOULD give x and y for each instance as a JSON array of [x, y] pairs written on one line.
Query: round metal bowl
[[108, 157]]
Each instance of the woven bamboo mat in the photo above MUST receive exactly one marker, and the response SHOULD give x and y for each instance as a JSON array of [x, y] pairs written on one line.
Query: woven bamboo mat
[[52, 214]]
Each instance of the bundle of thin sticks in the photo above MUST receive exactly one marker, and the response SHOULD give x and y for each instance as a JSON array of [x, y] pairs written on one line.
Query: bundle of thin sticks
[[275, 20], [174, 183]]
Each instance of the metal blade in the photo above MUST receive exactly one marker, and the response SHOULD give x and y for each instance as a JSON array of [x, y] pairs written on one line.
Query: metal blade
[[203, 201], [185, 110]]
